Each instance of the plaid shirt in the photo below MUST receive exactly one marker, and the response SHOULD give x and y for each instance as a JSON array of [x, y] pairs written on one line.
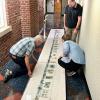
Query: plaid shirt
[[22, 47]]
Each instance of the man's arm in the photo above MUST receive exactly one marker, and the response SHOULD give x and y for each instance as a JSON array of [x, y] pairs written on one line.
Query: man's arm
[[79, 18], [28, 65], [30, 48], [65, 21], [78, 22], [66, 48]]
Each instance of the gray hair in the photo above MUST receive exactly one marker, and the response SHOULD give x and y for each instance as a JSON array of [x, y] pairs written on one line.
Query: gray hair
[[39, 38]]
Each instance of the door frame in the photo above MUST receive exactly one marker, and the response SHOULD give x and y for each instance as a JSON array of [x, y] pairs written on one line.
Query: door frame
[[54, 8], [46, 8]]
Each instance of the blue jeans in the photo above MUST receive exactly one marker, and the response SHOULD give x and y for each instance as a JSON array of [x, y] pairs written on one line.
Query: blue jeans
[[21, 62]]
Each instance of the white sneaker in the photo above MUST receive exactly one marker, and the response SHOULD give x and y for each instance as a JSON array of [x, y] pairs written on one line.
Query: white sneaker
[[71, 73], [8, 75]]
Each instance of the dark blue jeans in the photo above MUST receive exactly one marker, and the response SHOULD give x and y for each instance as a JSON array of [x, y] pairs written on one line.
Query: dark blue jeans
[[21, 62]]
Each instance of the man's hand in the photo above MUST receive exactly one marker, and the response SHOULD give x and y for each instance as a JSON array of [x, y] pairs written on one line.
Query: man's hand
[[29, 73], [28, 65], [66, 28], [75, 31]]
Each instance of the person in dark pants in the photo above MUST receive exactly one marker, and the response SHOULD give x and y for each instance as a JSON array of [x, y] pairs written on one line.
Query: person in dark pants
[[21, 51], [73, 57], [72, 19]]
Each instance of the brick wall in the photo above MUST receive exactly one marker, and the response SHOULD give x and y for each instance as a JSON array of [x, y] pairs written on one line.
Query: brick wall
[[6, 41], [31, 12], [26, 19], [41, 12], [34, 17]]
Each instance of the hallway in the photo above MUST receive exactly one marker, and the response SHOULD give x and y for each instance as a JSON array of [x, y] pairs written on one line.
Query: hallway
[[28, 18], [75, 85]]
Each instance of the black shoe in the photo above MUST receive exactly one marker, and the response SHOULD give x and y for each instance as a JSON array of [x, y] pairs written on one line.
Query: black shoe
[[8, 75]]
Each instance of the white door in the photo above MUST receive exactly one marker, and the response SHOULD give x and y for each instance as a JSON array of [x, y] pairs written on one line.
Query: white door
[[50, 6]]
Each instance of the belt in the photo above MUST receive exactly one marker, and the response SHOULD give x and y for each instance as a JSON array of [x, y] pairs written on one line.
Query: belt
[[13, 56]]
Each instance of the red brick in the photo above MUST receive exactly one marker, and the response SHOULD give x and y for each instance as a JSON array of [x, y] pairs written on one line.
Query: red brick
[[26, 19]]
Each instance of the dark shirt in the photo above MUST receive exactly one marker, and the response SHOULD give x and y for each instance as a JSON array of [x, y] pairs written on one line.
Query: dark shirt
[[72, 15]]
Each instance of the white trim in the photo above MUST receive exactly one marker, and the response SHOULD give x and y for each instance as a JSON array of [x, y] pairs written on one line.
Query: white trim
[[5, 30], [3, 14]]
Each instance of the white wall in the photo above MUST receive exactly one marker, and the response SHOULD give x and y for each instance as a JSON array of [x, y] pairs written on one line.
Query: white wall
[[81, 2], [90, 42], [50, 6]]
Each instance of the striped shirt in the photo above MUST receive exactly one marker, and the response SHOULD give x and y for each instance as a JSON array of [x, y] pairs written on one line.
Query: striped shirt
[[22, 47]]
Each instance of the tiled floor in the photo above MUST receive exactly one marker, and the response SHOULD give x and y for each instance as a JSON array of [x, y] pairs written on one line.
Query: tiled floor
[[54, 22], [75, 90]]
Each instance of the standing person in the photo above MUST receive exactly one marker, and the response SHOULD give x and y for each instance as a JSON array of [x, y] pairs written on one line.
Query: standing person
[[72, 19], [73, 57], [21, 51]]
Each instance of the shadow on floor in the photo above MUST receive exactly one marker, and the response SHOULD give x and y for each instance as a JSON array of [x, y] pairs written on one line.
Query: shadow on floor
[[76, 88]]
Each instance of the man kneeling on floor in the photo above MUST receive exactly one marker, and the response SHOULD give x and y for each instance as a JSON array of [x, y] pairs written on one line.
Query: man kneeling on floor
[[21, 51], [73, 56]]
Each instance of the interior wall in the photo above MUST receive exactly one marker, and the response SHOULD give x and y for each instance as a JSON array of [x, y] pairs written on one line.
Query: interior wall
[[41, 12], [50, 6], [90, 42], [64, 3], [81, 2], [57, 6], [13, 19]]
